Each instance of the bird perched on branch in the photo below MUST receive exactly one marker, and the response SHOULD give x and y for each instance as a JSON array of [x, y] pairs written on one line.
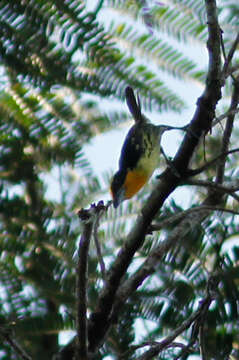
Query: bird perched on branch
[[139, 155]]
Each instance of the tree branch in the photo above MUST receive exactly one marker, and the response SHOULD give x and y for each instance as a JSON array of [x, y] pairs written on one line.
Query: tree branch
[[87, 219], [156, 349], [14, 345], [228, 132], [100, 320], [194, 172], [183, 214], [189, 220], [215, 186], [218, 119], [214, 47], [151, 343], [197, 319], [97, 244], [229, 57]]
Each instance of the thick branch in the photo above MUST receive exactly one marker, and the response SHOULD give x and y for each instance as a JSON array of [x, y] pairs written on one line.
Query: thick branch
[[214, 48], [206, 104]]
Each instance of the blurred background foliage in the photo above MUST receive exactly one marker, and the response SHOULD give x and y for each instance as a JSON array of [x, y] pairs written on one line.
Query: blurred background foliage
[[62, 66]]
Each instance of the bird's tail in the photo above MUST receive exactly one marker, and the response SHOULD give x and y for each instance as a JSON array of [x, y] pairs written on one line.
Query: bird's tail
[[133, 104]]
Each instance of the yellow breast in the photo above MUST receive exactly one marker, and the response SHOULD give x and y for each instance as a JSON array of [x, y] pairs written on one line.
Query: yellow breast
[[134, 181], [146, 165], [149, 161]]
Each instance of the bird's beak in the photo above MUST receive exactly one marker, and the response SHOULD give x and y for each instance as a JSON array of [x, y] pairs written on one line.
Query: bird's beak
[[119, 197]]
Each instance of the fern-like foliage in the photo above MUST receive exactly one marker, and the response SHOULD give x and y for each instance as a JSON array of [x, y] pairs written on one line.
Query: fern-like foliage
[[183, 20], [70, 48], [63, 73], [161, 53]]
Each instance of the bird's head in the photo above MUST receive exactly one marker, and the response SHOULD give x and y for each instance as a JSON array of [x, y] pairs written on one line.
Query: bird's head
[[117, 187]]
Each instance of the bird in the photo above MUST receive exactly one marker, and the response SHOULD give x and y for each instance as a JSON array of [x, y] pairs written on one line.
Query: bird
[[140, 153]]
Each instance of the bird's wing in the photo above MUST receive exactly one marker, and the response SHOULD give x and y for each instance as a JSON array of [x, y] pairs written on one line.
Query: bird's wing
[[132, 149]]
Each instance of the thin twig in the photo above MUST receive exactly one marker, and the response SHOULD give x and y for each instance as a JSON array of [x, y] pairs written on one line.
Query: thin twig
[[230, 119], [149, 343], [229, 57], [186, 350], [223, 47], [194, 172], [149, 266], [202, 342], [218, 119], [97, 244], [14, 345], [233, 69], [183, 214], [87, 220], [197, 319], [228, 132], [155, 350], [215, 186]]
